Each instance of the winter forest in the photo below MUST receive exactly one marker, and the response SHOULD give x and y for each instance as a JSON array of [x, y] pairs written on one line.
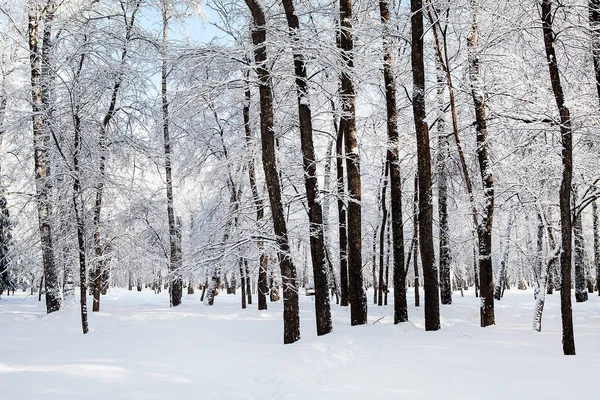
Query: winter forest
[[401, 192]]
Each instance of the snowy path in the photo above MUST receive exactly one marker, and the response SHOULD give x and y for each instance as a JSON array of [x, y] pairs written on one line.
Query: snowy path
[[139, 349]]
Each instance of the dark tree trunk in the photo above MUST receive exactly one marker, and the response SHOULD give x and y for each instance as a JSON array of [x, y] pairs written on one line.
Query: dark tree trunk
[[40, 70], [430, 273], [315, 212], [358, 298], [77, 207], [596, 243], [248, 282], [291, 311], [382, 229], [484, 229], [442, 182], [581, 293], [243, 281], [343, 229], [415, 244], [399, 278], [568, 338], [263, 279]]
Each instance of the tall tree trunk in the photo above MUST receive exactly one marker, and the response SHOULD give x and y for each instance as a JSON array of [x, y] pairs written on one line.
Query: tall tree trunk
[[415, 243], [596, 243], [243, 279], [442, 182], [430, 272], [399, 278], [291, 310], [77, 206], [315, 212], [382, 228], [176, 283], [358, 298], [332, 277], [342, 218], [263, 279], [581, 293], [484, 229], [568, 338], [39, 60]]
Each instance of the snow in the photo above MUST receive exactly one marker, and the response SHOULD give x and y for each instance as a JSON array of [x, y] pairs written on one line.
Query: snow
[[138, 348]]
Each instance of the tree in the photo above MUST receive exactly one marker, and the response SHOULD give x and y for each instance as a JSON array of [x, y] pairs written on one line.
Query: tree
[[393, 161], [315, 212], [358, 298], [176, 284], [568, 339], [430, 271], [484, 229], [40, 102], [291, 317]]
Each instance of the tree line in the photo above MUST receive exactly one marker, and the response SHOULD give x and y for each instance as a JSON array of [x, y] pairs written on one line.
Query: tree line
[[452, 140]]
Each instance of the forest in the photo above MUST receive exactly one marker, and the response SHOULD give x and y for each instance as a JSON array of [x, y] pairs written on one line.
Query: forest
[[409, 166]]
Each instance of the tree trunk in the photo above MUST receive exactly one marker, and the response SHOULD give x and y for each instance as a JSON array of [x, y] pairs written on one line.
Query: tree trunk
[[263, 279], [484, 229], [315, 212], [342, 219], [568, 338], [502, 271], [382, 228], [291, 311], [430, 273], [399, 278], [40, 68], [175, 281], [243, 281], [248, 282], [596, 243], [442, 181], [581, 293], [358, 298], [415, 245]]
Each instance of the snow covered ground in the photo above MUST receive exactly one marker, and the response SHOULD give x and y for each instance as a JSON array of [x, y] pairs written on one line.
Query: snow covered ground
[[139, 348]]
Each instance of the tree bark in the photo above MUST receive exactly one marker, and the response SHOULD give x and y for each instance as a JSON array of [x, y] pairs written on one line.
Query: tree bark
[[315, 212], [263, 279], [382, 229], [358, 298], [39, 62], [568, 339], [581, 293], [176, 283], [484, 228], [291, 311], [596, 243], [415, 244], [442, 182], [399, 278], [342, 218], [430, 272]]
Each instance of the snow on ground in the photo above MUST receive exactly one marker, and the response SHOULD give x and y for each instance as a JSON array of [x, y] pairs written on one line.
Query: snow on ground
[[139, 348]]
